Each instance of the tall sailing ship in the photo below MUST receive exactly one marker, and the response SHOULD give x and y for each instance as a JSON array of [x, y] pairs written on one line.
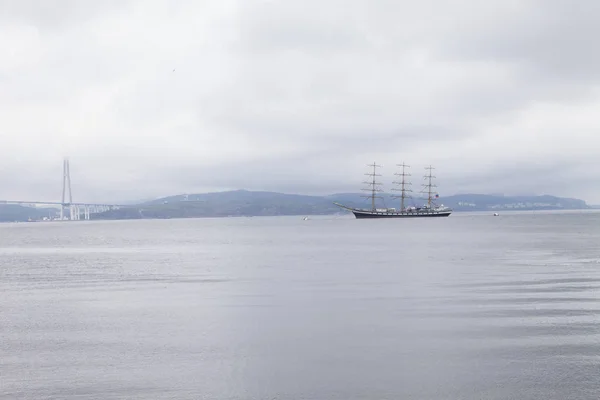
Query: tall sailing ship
[[430, 209]]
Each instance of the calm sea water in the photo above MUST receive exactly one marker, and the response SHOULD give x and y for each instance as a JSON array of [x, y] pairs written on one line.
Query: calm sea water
[[467, 307]]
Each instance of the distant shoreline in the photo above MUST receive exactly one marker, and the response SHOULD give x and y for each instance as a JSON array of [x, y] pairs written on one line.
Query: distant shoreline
[[243, 203], [318, 216]]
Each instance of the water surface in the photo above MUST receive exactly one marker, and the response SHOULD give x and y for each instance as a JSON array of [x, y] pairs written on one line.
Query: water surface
[[465, 307]]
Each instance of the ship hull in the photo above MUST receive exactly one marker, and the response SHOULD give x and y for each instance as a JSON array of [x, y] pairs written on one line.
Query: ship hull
[[379, 215]]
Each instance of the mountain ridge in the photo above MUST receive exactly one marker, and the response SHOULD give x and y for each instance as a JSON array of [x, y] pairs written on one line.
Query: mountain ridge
[[243, 202]]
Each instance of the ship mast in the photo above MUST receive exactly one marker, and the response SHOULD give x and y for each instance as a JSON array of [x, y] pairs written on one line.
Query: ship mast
[[374, 185], [403, 185], [429, 185]]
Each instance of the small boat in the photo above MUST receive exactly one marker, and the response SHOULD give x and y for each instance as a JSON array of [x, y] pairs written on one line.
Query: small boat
[[429, 210]]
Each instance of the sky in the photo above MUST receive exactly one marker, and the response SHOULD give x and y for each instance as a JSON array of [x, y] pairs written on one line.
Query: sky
[[153, 98]]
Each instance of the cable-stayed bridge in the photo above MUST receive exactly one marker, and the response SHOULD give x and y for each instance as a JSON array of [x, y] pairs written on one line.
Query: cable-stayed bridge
[[69, 210]]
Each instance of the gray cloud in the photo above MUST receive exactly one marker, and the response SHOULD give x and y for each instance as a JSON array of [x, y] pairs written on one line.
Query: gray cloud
[[501, 96]]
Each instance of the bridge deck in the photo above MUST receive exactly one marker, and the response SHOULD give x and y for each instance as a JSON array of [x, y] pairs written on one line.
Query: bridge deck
[[57, 203]]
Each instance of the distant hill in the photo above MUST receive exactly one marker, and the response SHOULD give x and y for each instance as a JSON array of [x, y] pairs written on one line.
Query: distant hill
[[224, 204], [251, 203], [16, 213], [481, 202]]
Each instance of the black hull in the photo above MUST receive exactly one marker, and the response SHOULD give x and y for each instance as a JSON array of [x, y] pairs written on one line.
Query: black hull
[[421, 213], [376, 215]]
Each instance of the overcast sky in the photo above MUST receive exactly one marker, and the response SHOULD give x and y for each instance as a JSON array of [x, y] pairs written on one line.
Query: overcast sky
[[151, 98]]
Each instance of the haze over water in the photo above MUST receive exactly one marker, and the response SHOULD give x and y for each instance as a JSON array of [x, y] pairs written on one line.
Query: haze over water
[[465, 307]]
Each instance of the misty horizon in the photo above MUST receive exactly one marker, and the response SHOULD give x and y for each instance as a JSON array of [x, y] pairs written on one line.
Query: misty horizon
[[386, 189], [357, 192]]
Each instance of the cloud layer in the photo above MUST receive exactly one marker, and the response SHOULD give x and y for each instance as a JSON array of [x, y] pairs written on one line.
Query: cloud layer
[[152, 98]]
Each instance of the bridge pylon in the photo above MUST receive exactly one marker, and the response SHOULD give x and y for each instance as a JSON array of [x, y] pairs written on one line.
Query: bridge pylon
[[66, 186]]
